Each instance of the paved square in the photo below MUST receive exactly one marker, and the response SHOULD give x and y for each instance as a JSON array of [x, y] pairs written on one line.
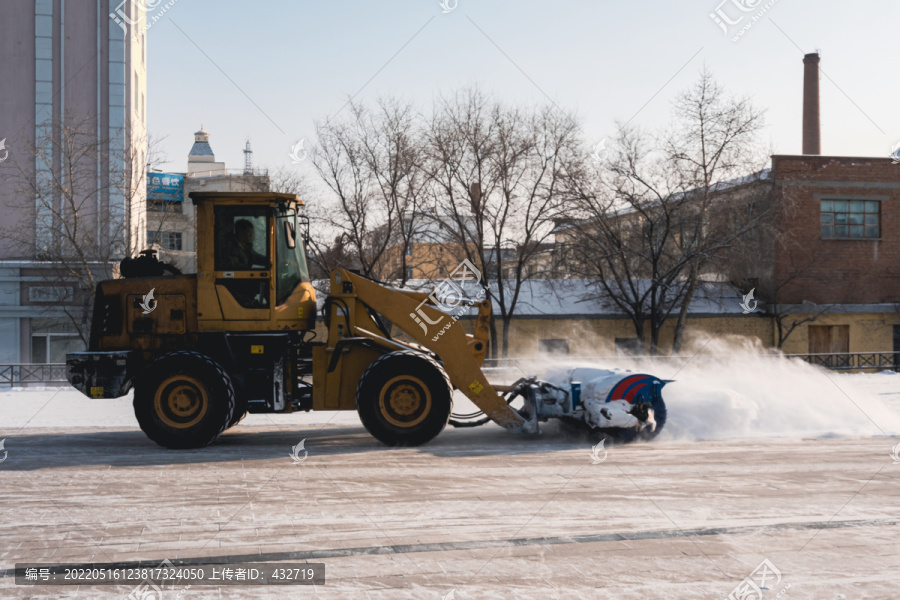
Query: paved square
[[478, 511]]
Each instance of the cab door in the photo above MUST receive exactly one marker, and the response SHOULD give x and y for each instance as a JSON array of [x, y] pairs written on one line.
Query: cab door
[[243, 262]]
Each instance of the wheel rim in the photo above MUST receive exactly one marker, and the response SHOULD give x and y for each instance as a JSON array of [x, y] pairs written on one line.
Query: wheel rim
[[181, 401], [404, 401]]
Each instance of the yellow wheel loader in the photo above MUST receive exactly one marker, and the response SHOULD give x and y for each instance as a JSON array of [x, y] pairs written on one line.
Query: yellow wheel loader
[[201, 350]]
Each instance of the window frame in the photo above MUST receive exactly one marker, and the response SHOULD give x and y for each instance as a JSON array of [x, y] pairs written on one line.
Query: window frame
[[166, 240], [830, 209], [222, 237], [165, 206], [48, 330], [284, 255]]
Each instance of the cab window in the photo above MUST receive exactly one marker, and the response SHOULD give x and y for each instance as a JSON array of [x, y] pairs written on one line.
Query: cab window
[[242, 247], [241, 242], [292, 269]]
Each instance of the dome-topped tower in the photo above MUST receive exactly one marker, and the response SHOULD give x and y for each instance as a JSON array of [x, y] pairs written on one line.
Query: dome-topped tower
[[201, 160]]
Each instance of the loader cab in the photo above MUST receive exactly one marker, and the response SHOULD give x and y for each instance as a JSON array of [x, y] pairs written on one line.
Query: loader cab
[[251, 265]]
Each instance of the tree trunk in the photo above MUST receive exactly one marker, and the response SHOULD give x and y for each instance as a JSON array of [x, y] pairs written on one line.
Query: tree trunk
[[780, 330], [86, 310], [654, 340], [639, 331], [682, 314], [506, 321]]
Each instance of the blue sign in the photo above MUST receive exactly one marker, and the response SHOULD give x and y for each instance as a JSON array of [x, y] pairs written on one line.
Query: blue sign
[[165, 187]]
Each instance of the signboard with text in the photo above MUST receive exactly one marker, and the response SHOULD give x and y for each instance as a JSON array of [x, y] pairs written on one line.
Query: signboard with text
[[165, 187]]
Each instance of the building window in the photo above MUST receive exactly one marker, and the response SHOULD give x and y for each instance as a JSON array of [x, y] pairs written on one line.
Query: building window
[[51, 339], [167, 240], [553, 346], [852, 219], [629, 346], [164, 206]]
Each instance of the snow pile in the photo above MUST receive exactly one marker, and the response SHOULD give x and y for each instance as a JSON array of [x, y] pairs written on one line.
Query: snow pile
[[734, 390]]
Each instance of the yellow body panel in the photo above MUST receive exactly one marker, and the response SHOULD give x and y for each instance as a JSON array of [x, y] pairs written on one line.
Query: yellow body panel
[[174, 312], [299, 310], [337, 390]]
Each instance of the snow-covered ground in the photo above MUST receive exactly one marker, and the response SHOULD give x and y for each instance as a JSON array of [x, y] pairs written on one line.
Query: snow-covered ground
[[760, 460], [739, 396]]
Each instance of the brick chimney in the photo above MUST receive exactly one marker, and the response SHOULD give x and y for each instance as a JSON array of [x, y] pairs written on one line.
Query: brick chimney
[[811, 128]]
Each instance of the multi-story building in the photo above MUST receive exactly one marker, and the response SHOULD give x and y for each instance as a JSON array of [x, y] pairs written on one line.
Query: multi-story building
[[71, 177]]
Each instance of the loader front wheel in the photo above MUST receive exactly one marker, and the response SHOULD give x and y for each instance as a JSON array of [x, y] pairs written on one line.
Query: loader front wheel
[[404, 399], [184, 400]]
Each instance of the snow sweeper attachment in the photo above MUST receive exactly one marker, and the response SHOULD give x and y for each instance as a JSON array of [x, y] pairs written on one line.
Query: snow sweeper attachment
[[619, 403]]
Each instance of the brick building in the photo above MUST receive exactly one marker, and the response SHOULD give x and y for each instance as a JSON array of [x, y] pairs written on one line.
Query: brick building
[[842, 215], [835, 250], [836, 253]]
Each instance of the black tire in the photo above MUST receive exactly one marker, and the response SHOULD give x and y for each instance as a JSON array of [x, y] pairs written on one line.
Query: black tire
[[240, 411], [633, 435], [184, 400], [404, 399], [619, 435]]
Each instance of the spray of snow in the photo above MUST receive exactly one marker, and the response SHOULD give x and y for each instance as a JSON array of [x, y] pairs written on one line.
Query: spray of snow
[[735, 389]]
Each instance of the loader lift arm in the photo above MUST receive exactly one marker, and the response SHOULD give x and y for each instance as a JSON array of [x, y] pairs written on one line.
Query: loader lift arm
[[461, 354]]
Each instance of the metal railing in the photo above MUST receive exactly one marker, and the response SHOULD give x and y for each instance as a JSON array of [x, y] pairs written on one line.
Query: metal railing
[[852, 360], [55, 373], [839, 361], [23, 374]]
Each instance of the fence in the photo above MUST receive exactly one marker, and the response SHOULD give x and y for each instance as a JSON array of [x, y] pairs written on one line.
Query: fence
[[853, 360], [24, 374], [55, 373], [839, 361]]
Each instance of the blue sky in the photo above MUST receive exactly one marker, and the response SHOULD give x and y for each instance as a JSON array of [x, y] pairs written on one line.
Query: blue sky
[[267, 70]]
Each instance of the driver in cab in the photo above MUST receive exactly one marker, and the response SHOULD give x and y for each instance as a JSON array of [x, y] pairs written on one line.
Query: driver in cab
[[242, 256]]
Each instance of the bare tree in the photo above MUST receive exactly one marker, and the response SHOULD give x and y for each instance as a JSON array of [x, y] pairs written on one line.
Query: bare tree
[[659, 213], [624, 236], [85, 222], [713, 143], [496, 175], [371, 165]]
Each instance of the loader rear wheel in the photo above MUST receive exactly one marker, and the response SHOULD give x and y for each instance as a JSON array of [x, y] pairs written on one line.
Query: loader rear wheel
[[240, 411], [184, 400], [404, 399]]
